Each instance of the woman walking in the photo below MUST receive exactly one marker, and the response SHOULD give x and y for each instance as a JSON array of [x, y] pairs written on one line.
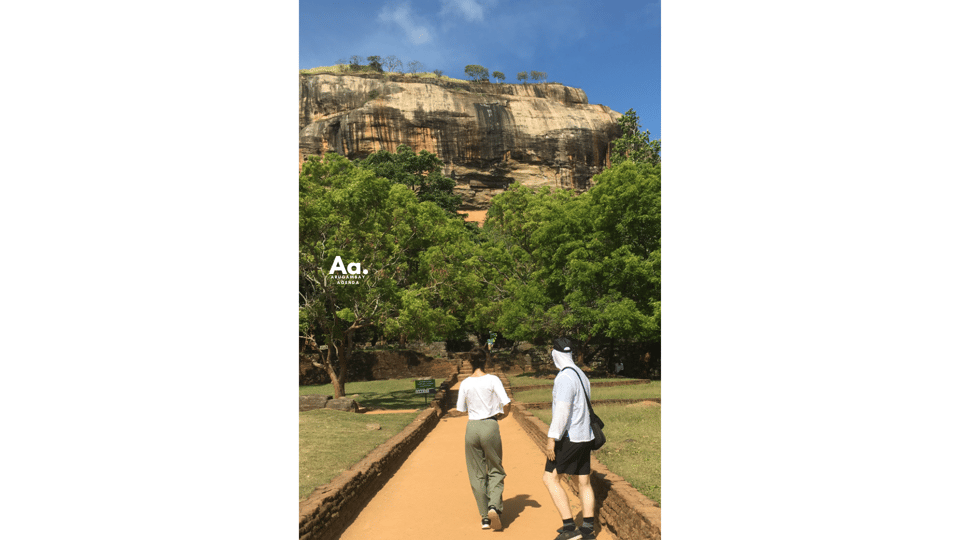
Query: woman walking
[[483, 398]]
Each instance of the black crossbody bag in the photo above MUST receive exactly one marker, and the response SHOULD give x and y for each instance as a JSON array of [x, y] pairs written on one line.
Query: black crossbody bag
[[596, 424]]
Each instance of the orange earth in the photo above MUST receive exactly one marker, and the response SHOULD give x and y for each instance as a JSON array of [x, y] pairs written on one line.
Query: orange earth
[[430, 498]]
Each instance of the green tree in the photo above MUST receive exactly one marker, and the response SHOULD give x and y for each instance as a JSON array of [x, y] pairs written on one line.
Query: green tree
[[421, 172], [518, 290], [376, 63], [614, 282], [499, 76], [538, 75], [634, 145], [522, 77], [399, 253], [587, 266], [477, 73]]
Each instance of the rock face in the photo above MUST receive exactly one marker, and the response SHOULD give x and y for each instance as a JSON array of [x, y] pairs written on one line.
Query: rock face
[[487, 135]]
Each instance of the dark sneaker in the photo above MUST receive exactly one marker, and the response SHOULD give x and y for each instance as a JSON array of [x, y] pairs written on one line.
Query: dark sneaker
[[569, 535], [587, 534], [485, 523], [493, 516]]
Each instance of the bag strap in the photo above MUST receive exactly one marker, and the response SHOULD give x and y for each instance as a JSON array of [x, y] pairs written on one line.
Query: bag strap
[[585, 395]]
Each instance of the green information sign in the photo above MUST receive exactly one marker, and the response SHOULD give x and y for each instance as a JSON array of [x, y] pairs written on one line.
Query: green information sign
[[424, 386]]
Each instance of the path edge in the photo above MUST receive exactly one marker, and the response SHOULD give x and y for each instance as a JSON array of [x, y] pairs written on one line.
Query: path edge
[[332, 507], [621, 508], [548, 404]]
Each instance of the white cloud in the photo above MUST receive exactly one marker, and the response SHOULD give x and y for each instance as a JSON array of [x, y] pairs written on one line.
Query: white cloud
[[402, 16], [470, 9]]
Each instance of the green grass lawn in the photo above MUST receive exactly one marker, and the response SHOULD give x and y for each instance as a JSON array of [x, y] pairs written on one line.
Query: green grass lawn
[[633, 444], [392, 394], [633, 391], [332, 441], [528, 380]]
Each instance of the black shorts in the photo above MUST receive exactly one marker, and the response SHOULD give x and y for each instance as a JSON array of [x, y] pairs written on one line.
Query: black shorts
[[572, 457]]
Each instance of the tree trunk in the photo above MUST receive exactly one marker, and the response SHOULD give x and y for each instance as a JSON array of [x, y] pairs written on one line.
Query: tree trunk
[[334, 379], [344, 352], [581, 352], [340, 383]]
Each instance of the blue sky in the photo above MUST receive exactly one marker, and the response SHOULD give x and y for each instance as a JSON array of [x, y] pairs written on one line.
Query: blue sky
[[610, 49]]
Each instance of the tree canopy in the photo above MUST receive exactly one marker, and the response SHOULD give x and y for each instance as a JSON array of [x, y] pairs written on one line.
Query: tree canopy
[[381, 246], [420, 172], [401, 256], [477, 73], [634, 145], [587, 266]]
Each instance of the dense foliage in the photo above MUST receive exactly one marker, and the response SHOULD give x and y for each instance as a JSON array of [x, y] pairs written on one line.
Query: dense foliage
[[587, 266], [634, 145], [400, 256], [547, 262], [419, 172]]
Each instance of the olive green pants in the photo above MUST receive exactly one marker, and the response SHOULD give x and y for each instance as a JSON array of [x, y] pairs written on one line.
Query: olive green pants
[[484, 463]]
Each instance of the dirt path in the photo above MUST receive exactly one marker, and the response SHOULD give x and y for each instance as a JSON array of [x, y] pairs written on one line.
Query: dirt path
[[430, 498]]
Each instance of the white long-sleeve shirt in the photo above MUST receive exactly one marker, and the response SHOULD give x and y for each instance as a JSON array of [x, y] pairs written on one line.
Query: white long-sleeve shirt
[[481, 397], [570, 412]]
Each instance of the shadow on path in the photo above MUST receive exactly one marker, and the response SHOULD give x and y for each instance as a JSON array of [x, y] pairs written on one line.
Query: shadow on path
[[513, 507]]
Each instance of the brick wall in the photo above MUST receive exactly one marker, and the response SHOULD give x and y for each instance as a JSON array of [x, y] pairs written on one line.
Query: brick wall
[[435, 348], [406, 363], [330, 509], [547, 404], [592, 385], [620, 507], [381, 365]]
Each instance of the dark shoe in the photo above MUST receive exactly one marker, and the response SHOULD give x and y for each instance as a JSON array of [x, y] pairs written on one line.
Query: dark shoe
[[569, 535], [493, 516], [586, 534], [485, 523]]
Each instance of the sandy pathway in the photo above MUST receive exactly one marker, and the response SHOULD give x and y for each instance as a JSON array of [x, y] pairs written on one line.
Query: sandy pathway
[[430, 498]]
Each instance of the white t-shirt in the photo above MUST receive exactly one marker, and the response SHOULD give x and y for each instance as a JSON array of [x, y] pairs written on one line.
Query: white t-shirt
[[481, 397]]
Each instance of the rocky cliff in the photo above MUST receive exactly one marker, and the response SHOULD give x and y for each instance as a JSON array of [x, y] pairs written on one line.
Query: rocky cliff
[[487, 135]]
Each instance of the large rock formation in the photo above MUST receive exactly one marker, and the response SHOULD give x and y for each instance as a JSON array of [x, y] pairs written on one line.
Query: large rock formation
[[487, 135]]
